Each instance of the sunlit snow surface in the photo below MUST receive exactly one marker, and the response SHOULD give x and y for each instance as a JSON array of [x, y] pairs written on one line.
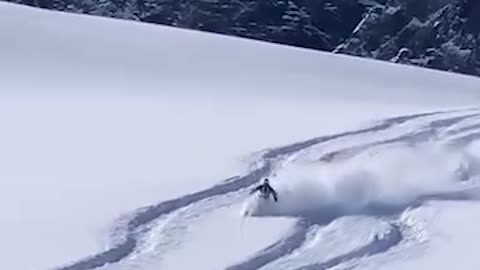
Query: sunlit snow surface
[[338, 206], [133, 146]]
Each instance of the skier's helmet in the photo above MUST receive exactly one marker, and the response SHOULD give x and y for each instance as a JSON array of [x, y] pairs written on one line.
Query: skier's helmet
[[266, 181]]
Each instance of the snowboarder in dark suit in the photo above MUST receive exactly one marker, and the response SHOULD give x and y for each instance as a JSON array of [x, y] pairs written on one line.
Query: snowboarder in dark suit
[[265, 190]]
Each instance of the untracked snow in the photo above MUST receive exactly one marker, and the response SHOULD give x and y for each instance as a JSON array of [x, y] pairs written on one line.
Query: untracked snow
[[104, 121]]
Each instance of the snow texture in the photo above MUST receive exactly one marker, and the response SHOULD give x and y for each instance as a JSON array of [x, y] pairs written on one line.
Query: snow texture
[[117, 161]]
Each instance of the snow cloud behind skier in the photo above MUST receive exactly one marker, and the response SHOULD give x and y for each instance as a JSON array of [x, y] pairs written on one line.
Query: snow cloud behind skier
[[363, 184]]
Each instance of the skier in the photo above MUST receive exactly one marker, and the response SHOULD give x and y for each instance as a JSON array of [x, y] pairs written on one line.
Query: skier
[[265, 190]]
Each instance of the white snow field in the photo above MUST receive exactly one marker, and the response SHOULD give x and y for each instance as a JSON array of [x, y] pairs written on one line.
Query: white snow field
[[133, 146]]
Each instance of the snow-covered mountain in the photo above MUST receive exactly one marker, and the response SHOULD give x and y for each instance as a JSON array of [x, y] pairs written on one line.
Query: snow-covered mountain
[[440, 34], [133, 146]]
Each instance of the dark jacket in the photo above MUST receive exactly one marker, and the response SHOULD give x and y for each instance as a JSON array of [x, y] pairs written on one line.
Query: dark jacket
[[266, 190]]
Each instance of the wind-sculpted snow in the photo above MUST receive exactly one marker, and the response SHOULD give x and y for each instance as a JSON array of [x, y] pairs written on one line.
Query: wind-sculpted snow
[[379, 177]]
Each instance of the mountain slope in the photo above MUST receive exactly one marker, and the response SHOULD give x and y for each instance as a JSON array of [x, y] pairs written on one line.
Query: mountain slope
[[131, 160], [440, 34]]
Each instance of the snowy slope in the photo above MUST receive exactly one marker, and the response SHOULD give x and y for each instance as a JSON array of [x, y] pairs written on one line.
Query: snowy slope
[[98, 123]]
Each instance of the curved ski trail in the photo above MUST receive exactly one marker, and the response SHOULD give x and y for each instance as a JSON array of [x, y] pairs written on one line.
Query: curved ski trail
[[152, 231]]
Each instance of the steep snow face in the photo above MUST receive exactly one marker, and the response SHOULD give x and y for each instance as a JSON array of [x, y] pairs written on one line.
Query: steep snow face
[[101, 117], [74, 53], [440, 34]]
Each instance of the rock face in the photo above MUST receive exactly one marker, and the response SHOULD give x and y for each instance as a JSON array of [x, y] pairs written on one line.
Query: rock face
[[437, 34], [440, 34]]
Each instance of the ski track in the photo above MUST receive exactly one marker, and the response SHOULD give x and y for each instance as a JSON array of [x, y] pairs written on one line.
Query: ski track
[[128, 235], [276, 250], [378, 245]]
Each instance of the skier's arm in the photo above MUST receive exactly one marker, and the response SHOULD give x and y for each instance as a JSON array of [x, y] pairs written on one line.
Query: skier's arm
[[274, 193], [255, 189]]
